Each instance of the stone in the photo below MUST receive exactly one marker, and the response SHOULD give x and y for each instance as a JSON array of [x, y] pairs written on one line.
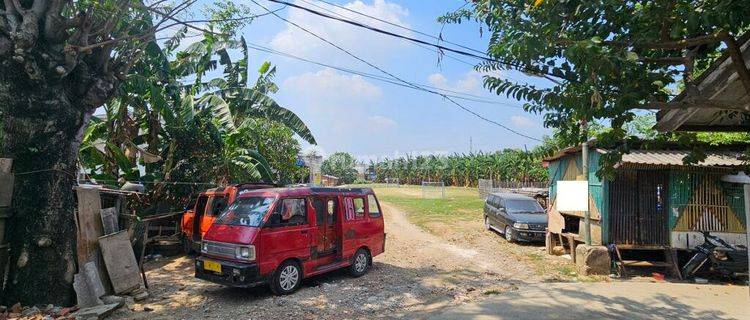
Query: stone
[[84, 294], [113, 299], [97, 312], [16, 308], [558, 250], [592, 260], [30, 312], [140, 294], [93, 281]]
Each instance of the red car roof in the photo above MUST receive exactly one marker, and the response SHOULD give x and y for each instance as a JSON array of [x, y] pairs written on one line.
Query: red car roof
[[304, 191]]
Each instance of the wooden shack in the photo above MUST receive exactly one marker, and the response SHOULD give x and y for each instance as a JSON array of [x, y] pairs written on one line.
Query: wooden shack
[[654, 200]]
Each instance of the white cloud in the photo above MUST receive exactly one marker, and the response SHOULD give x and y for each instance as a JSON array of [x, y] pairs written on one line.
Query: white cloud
[[381, 123], [521, 121], [296, 41], [470, 82], [437, 80], [327, 84]]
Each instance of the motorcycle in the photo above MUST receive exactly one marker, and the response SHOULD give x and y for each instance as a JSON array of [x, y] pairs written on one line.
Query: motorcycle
[[726, 259]]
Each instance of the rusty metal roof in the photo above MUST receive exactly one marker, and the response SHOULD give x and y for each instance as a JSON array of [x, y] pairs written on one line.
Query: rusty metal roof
[[674, 158]]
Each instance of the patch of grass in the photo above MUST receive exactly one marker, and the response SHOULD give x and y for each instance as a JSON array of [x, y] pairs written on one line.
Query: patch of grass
[[492, 292], [459, 204]]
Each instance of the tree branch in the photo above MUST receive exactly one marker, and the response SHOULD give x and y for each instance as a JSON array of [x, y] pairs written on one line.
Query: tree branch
[[737, 60], [696, 103], [672, 45]]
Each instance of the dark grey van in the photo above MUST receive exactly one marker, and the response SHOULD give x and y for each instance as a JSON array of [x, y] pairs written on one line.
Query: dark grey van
[[518, 217]]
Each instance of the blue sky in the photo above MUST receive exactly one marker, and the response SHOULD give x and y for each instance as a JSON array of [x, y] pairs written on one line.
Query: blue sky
[[373, 119]]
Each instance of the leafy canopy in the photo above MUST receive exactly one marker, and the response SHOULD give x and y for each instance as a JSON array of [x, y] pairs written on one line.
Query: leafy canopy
[[341, 165], [603, 58]]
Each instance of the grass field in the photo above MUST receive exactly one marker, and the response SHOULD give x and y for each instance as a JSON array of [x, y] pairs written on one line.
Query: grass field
[[458, 218], [459, 204]]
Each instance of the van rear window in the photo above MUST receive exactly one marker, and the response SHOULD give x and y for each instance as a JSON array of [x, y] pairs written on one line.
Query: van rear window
[[247, 212]]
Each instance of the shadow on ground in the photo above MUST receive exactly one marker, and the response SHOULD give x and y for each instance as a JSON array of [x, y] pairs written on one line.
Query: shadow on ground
[[387, 291]]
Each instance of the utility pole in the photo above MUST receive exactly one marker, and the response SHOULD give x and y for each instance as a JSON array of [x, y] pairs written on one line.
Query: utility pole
[[471, 145], [585, 161]]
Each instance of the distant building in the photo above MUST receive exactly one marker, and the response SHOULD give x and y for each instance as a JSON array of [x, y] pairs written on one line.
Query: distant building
[[329, 180]]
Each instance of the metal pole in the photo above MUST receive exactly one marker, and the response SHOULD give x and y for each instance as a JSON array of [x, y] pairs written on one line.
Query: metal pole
[[585, 167]]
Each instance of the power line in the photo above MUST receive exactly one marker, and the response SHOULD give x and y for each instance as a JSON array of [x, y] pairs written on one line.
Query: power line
[[441, 47], [400, 26], [396, 77], [417, 44], [455, 94], [440, 53]]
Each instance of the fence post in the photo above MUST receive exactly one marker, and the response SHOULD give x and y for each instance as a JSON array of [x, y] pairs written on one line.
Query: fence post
[[6, 193]]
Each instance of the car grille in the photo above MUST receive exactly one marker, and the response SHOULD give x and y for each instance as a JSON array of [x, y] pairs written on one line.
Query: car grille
[[220, 249], [537, 226]]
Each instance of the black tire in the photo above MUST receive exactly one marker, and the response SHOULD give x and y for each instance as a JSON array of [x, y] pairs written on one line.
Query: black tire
[[509, 234], [187, 245], [284, 281], [360, 263], [487, 223], [692, 266]]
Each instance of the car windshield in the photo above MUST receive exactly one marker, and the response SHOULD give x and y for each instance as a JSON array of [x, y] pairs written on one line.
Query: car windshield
[[246, 212], [525, 206]]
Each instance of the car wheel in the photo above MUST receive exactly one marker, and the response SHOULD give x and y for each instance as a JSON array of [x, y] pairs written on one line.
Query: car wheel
[[187, 245], [509, 234], [286, 279], [487, 223], [360, 263]]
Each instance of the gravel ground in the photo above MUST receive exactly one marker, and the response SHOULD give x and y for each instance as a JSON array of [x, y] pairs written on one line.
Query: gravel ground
[[420, 273]]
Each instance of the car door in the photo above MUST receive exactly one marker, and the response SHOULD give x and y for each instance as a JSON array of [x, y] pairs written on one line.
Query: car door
[[488, 209], [287, 233], [325, 220], [502, 214], [493, 211], [354, 225], [200, 210], [215, 205]]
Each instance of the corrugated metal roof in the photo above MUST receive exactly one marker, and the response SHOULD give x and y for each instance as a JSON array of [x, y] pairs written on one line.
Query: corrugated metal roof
[[674, 158]]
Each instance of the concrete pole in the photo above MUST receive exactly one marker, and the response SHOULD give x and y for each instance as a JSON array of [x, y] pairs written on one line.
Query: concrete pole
[[585, 167]]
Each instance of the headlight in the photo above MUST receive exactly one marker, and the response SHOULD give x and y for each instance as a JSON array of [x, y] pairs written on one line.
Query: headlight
[[245, 253], [204, 247], [519, 225]]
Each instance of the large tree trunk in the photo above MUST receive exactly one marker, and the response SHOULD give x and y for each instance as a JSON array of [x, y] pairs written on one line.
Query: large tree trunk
[[42, 124]]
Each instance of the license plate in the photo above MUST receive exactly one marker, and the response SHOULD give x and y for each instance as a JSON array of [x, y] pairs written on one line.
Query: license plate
[[212, 266]]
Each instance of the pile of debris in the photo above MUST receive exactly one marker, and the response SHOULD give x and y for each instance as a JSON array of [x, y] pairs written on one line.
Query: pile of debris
[[52, 312], [108, 269]]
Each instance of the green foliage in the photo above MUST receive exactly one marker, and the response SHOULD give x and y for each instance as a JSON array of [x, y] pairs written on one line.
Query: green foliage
[[273, 140], [603, 58], [466, 169], [341, 165], [192, 125]]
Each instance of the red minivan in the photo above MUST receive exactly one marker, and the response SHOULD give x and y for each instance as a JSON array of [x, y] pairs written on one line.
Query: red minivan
[[281, 236]]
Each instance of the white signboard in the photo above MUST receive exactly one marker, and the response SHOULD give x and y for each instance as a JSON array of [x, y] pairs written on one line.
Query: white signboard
[[572, 196]]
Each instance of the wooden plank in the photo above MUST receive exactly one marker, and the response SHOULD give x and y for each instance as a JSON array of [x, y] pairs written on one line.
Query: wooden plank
[[109, 220], [89, 226], [120, 260], [643, 263]]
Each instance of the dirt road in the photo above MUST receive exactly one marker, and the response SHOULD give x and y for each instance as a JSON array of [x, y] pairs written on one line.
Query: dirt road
[[616, 300], [419, 273]]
